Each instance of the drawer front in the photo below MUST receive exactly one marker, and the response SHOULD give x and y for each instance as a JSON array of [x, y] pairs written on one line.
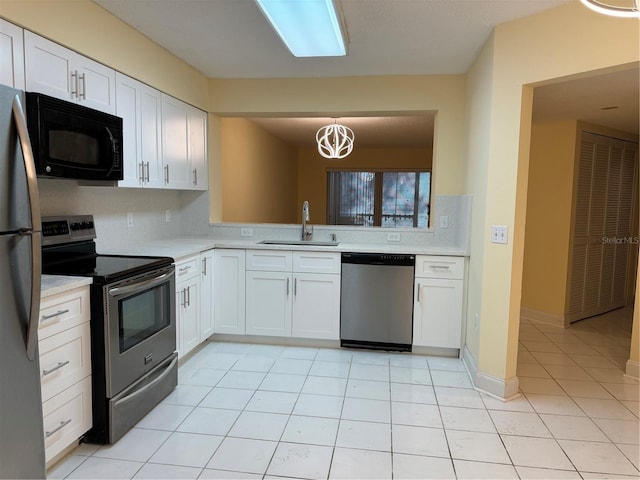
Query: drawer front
[[269, 260], [188, 268], [65, 359], [67, 417], [64, 311], [316, 262], [431, 266]]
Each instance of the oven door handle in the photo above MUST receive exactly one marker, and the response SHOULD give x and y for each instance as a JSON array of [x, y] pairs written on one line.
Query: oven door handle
[[136, 287], [149, 385]]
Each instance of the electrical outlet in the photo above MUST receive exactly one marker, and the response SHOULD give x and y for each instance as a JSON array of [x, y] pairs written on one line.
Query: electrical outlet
[[129, 219], [499, 234], [246, 232], [444, 221], [167, 215], [393, 237]]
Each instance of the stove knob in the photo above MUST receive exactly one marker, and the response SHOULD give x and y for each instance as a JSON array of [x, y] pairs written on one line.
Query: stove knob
[[75, 226], [84, 225]]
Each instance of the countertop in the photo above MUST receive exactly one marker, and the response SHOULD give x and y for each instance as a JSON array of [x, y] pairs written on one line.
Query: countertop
[[55, 284], [181, 247]]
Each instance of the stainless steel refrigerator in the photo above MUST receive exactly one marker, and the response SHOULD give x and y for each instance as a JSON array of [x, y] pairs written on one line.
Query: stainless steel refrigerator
[[21, 430]]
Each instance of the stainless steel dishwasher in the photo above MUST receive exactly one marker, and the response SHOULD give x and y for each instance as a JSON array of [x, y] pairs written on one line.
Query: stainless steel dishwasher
[[376, 304]]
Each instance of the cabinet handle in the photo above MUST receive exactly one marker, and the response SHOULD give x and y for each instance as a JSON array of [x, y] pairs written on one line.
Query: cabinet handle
[[58, 428], [141, 172], [74, 84], [418, 293], [295, 287], [204, 267], [287, 287], [195, 177], [166, 174], [83, 95], [184, 298], [53, 315], [147, 176], [188, 296], [57, 367]]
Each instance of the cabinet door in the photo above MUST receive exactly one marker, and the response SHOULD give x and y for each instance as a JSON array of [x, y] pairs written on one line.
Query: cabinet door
[[188, 298], [206, 294], [96, 85], [175, 144], [48, 68], [11, 55], [229, 291], [316, 306], [269, 303], [128, 107], [437, 313], [151, 136], [198, 148]]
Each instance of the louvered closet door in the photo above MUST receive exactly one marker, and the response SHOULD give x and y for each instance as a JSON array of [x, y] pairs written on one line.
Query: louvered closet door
[[602, 225]]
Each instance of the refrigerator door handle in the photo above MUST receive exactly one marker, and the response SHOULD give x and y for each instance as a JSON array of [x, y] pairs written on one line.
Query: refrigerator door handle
[[34, 206]]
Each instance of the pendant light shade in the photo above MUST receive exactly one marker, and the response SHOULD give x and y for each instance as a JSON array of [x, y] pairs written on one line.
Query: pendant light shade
[[616, 8], [335, 141]]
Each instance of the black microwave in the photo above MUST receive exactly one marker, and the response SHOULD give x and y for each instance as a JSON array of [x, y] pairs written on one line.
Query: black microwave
[[73, 141]]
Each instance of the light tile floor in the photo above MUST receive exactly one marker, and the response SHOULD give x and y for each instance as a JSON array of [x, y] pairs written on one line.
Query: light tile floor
[[260, 411]]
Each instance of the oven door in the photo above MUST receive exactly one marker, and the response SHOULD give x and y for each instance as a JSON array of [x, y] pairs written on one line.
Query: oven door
[[140, 326]]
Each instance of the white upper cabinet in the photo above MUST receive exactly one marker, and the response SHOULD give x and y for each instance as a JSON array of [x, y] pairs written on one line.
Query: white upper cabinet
[[11, 55], [184, 145], [140, 108], [62, 73]]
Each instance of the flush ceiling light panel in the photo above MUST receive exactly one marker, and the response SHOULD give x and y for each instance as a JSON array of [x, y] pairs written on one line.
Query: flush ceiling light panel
[[309, 28], [616, 8]]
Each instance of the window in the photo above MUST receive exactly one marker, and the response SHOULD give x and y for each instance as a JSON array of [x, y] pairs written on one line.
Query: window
[[385, 198]]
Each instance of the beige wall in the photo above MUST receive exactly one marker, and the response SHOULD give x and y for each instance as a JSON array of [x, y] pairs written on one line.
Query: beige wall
[[574, 41], [312, 170], [358, 96], [87, 28], [260, 174], [548, 228]]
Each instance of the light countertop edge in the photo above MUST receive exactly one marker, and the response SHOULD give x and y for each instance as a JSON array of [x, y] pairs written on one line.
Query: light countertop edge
[[182, 247], [55, 284]]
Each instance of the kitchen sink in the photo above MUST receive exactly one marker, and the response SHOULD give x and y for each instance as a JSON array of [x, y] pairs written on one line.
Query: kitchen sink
[[311, 243]]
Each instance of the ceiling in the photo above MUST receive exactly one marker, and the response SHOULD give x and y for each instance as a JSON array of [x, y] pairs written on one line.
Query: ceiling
[[232, 39]]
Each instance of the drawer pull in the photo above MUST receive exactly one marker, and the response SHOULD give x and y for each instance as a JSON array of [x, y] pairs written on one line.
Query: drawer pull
[[441, 267], [184, 269], [58, 428], [57, 367], [53, 315]]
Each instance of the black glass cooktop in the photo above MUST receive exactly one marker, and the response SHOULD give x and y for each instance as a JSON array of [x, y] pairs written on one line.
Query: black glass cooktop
[[105, 268]]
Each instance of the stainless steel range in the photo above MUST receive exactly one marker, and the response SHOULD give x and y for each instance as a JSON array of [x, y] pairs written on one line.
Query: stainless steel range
[[133, 325]]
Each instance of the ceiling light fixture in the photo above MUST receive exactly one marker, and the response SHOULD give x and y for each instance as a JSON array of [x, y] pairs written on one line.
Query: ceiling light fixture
[[616, 8], [309, 28], [335, 141]]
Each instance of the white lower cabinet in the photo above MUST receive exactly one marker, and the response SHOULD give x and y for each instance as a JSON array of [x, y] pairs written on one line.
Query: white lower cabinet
[[316, 306], [206, 294], [437, 312], [65, 368], [286, 297], [229, 291], [188, 304]]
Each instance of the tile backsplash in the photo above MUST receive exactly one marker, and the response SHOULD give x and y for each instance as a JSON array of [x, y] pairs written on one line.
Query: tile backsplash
[[189, 214]]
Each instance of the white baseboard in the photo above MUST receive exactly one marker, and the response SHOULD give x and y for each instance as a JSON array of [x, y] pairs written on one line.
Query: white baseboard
[[498, 388], [633, 369], [544, 317]]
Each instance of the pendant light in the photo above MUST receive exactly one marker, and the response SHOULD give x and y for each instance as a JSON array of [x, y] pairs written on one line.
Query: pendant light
[[335, 141], [616, 8]]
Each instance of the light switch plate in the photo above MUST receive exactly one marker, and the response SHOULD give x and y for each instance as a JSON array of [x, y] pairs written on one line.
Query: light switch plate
[[393, 237], [444, 221], [129, 219], [499, 234]]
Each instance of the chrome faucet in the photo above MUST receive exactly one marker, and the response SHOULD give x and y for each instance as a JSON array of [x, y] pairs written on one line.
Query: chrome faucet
[[307, 230]]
